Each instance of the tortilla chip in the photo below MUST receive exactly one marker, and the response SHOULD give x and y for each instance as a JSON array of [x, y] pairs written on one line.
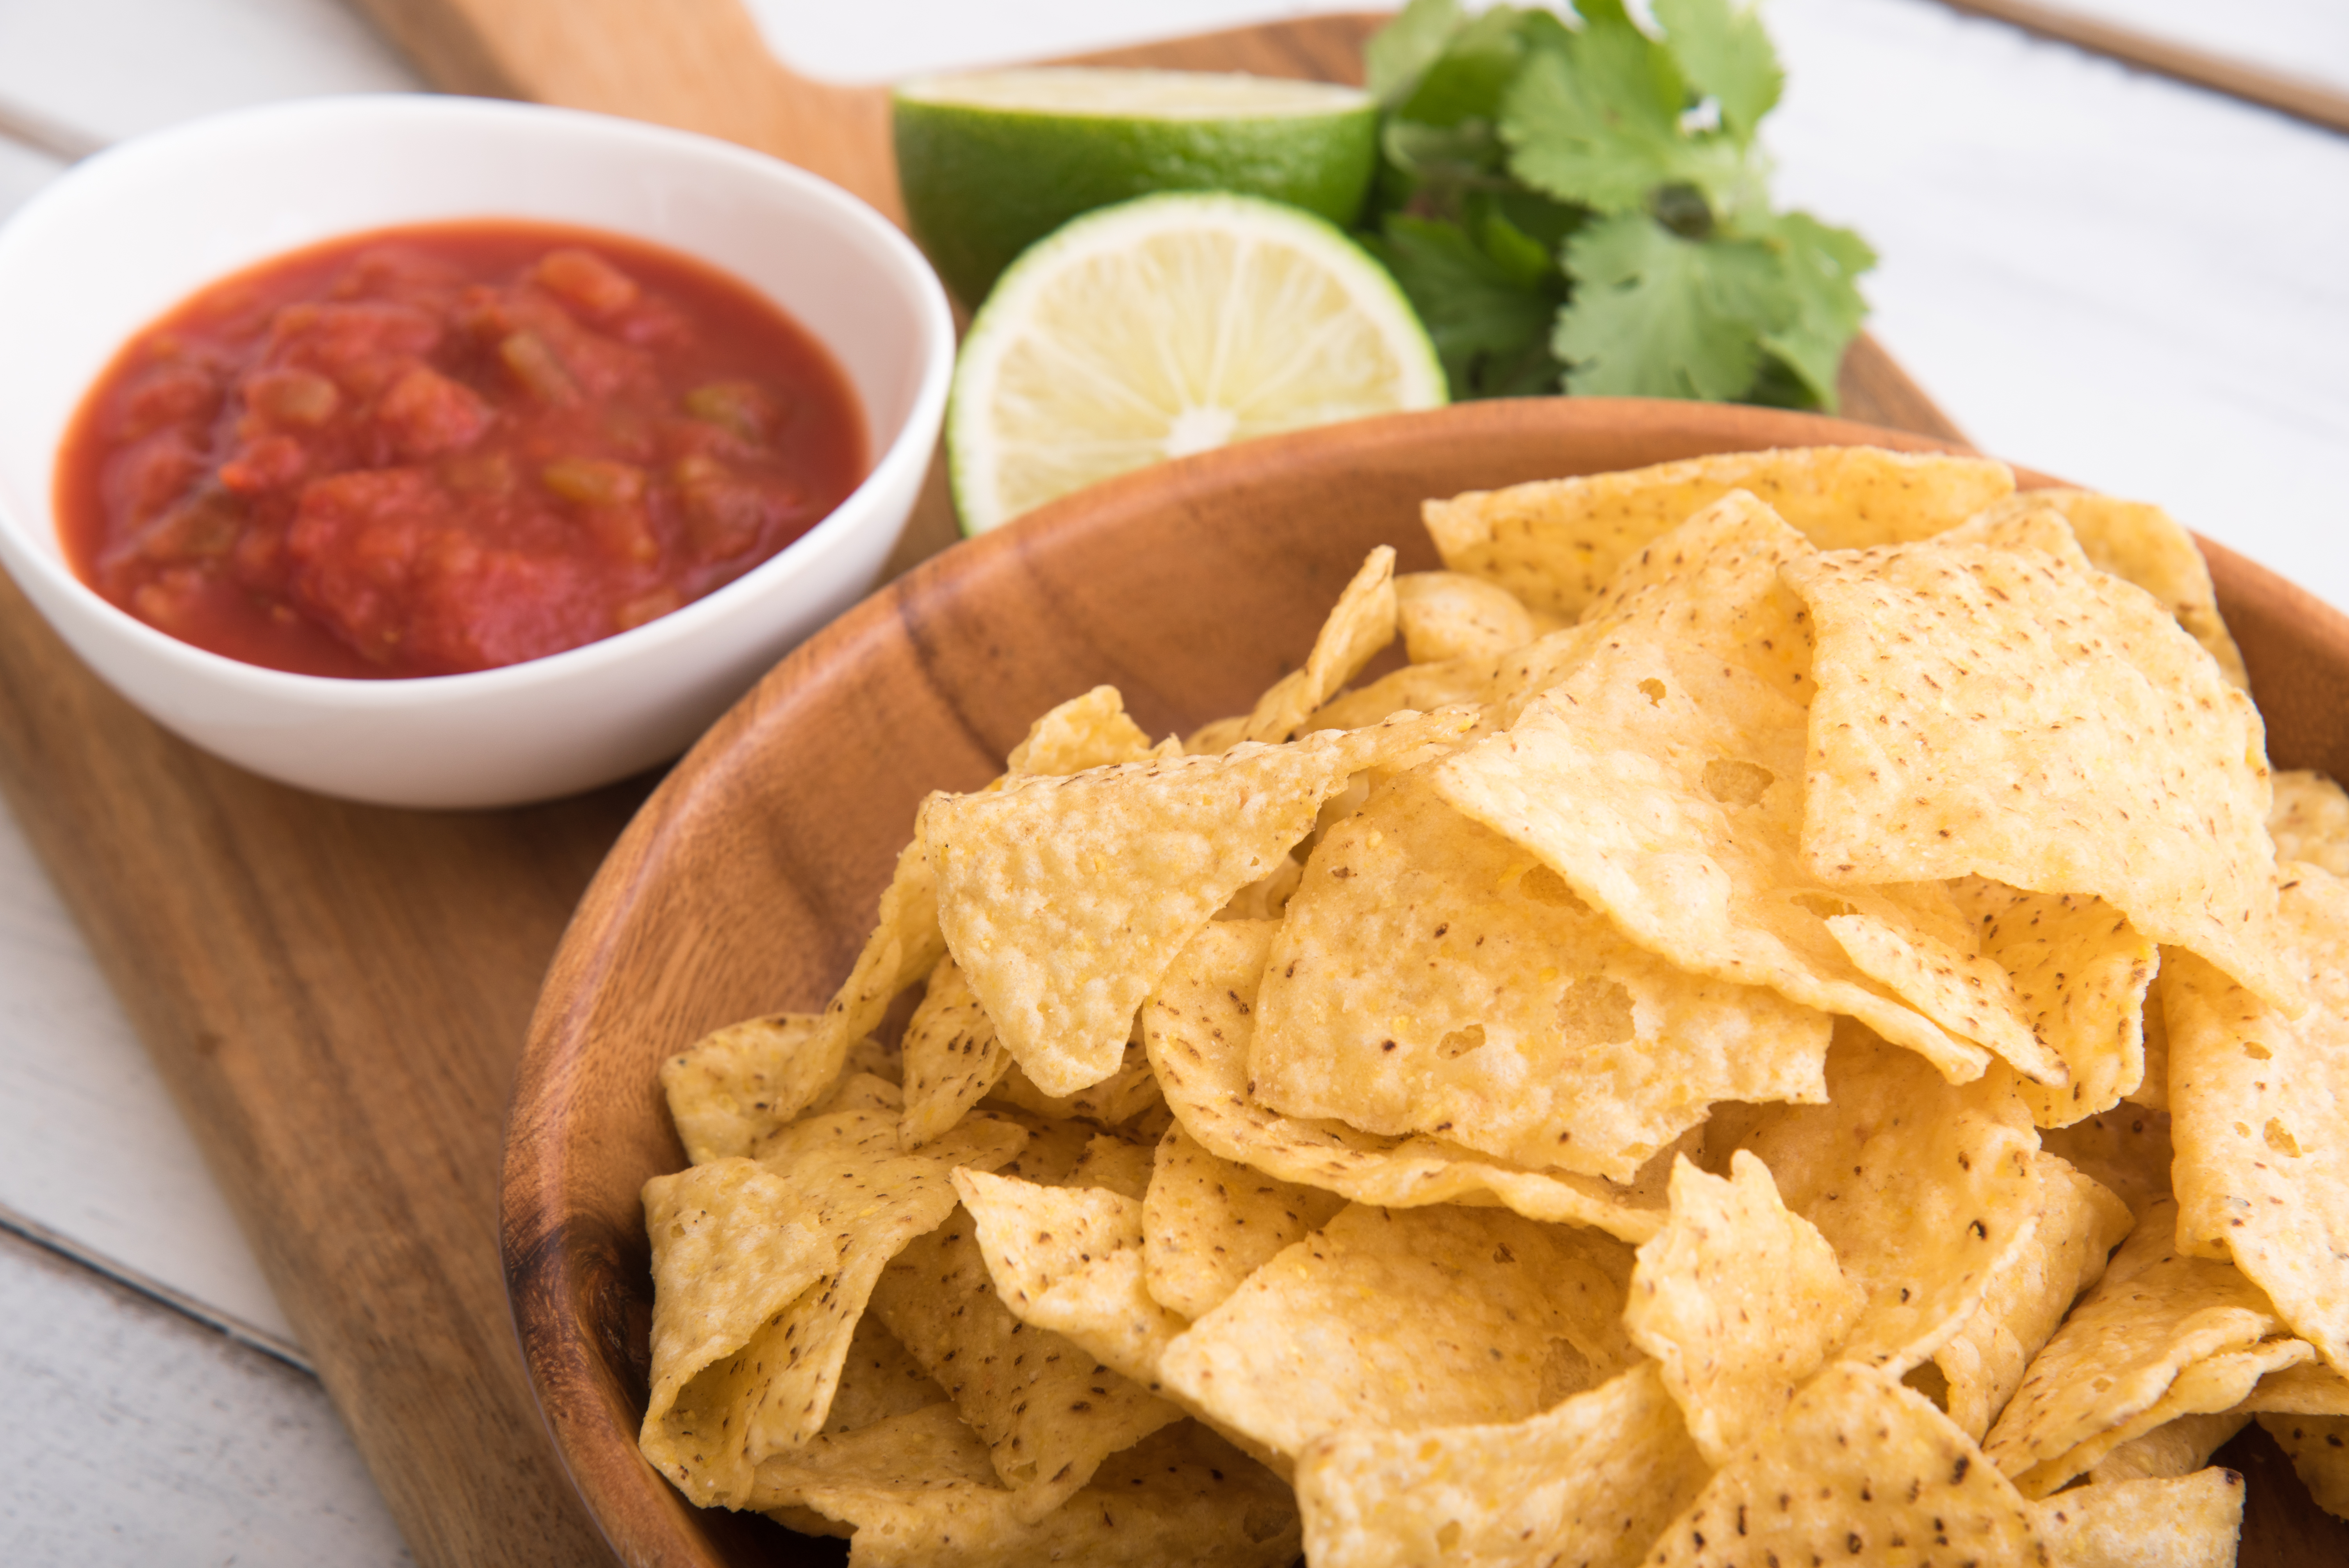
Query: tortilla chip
[[1209, 1223], [1432, 978], [2187, 1523], [724, 1092], [1555, 542], [1267, 898], [2310, 821], [2126, 1150], [1063, 900], [1362, 623], [2060, 731], [1861, 1470], [1666, 786], [1739, 1302], [1197, 1025], [734, 1245], [871, 1199], [2172, 1448], [1047, 1411], [1446, 615], [1713, 581], [916, 1493], [1088, 731], [1404, 1318], [2319, 1449], [1924, 1188], [1069, 1259], [2145, 545], [1115, 1101], [879, 1379], [1983, 1363], [952, 1056], [2154, 1315], [2082, 972], [2153, 1094], [2259, 1115], [1592, 1481], [1414, 688], [1117, 1164], [2020, 522], [2307, 1389]]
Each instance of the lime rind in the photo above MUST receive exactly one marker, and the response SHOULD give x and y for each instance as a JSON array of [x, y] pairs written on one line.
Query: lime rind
[[1127, 364], [982, 180]]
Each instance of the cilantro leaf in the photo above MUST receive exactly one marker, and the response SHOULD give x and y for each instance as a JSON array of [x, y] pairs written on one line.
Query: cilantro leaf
[[1489, 317], [1466, 79], [1400, 53], [1655, 316], [1601, 127], [1726, 56], [1820, 266]]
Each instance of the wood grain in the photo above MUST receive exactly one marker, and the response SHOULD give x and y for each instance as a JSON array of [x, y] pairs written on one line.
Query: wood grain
[[336, 995]]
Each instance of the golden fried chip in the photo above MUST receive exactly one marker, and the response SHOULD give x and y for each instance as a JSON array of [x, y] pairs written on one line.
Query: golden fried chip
[[1197, 1025], [1113, 1102], [1446, 615], [2081, 971], [1432, 978], [2310, 821], [2172, 1448], [2020, 522], [916, 1493], [1555, 542], [2126, 1150], [2259, 1116], [1713, 581], [1924, 1188], [1047, 1411], [1209, 1223], [2190, 1521], [952, 1056], [879, 1379], [1739, 1301], [1088, 731], [1362, 623], [1063, 900], [2319, 1449], [1666, 786], [724, 1090], [734, 1245], [2154, 1315], [1267, 898], [871, 1199], [1069, 1259], [1591, 1481], [2029, 1291], [1406, 1318], [2145, 545], [2307, 1389], [1414, 688], [1861, 1470], [2057, 732]]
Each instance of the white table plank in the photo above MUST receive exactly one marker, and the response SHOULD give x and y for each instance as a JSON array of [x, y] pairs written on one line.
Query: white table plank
[[135, 1437], [2102, 274]]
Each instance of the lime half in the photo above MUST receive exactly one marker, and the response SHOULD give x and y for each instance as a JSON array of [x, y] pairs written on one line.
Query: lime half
[[992, 161], [1166, 326]]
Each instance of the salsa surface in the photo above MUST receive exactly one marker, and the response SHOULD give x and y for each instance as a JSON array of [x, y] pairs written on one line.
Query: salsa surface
[[448, 448]]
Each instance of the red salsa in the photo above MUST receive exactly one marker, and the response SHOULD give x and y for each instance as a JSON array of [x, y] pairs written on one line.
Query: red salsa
[[450, 447]]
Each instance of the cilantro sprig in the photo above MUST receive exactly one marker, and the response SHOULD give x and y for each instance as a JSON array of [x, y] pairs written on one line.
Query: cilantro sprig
[[1576, 204]]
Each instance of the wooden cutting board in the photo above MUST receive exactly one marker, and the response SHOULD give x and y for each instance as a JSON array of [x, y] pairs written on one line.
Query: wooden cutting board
[[335, 995]]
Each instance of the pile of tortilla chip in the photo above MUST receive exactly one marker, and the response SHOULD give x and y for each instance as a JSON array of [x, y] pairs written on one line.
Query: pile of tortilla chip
[[1797, 1026]]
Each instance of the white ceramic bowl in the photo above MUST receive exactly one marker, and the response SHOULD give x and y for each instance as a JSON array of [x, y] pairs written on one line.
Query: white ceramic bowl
[[127, 235]]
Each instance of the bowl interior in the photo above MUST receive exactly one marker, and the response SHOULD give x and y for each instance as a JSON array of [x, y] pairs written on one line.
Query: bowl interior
[[747, 882], [138, 230]]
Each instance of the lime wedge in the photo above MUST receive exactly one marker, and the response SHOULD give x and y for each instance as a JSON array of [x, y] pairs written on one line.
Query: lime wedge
[[990, 162], [1165, 326]]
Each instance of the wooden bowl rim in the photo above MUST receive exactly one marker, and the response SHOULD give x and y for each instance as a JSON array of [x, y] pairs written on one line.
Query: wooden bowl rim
[[640, 1513]]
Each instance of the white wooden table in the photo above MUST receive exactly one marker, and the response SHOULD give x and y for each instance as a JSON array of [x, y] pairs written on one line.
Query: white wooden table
[[2133, 284]]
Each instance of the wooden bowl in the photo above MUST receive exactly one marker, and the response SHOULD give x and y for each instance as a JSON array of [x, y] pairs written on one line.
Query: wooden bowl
[[748, 882]]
